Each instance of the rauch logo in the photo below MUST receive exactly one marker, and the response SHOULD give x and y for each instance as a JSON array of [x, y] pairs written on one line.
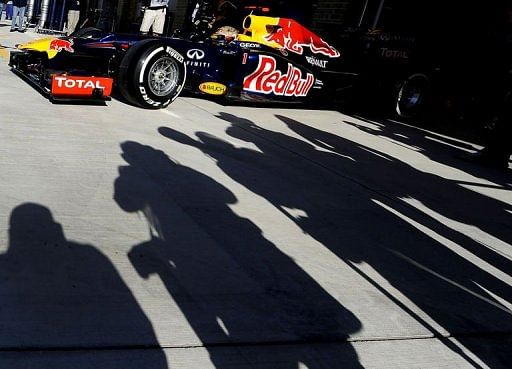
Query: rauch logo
[[213, 88]]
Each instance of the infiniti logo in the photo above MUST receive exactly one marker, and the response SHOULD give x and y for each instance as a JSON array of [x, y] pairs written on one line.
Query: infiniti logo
[[195, 54]]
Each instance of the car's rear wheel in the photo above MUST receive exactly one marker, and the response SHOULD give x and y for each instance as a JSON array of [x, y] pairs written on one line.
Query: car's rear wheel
[[151, 74], [412, 95]]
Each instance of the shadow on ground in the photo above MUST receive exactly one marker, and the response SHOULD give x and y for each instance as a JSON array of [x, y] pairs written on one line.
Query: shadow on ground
[[438, 147], [234, 287], [61, 295], [430, 238]]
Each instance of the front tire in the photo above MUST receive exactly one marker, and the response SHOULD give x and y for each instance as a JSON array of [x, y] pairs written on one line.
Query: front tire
[[151, 74]]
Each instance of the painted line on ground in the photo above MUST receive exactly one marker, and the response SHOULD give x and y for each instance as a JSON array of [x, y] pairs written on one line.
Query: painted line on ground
[[4, 53]]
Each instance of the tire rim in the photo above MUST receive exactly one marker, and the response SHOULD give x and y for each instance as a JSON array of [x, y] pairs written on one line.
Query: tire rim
[[163, 76], [410, 95]]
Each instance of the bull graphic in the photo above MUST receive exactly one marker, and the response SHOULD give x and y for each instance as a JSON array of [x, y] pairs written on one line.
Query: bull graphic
[[284, 33], [294, 37], [60, 44]]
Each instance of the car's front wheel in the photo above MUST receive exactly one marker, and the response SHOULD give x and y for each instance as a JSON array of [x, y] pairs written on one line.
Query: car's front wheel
[[151, 74]]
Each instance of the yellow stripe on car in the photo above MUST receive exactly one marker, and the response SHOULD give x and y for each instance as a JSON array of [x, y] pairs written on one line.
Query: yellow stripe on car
[[42, 44]]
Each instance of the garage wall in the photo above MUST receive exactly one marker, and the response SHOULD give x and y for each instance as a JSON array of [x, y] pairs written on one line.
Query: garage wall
[[330, 13], [181, 8], [327, 13]]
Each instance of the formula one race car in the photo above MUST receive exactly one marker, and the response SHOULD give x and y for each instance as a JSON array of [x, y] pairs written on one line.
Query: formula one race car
[[274, 59]]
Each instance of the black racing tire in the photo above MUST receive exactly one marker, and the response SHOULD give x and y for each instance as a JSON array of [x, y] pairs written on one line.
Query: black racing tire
[[411, 96], [88, 32], [151, 74]]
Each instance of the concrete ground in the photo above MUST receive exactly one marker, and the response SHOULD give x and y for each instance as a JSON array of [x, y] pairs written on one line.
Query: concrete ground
[[211, 236]]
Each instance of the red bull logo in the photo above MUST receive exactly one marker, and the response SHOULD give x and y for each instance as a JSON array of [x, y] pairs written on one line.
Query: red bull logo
[[267, 79], [294, 37], [60, 44]]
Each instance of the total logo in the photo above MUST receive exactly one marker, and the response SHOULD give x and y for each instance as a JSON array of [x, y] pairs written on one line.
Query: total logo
[[267, 79], [85, 86], [78, 83]]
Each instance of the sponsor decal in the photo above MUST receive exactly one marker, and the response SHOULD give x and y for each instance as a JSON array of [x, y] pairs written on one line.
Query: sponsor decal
[[191, 63], [244, 59], [294, 37], [394, 54], [80, 86], [396, 37], [60, 44], [229, 52], [195, 54], [267, 79], [147, 99], [316, 62], [249, 45], [173, 53], [213, 88]]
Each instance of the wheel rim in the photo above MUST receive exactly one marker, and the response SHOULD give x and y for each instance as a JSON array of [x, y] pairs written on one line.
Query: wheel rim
[[163, 76], [410, 95]]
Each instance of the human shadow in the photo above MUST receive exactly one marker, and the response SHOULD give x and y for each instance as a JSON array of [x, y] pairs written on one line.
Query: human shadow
[[449, 210], [437, 147], [62, 296], [444, 198], [234, 286], [343, 188]]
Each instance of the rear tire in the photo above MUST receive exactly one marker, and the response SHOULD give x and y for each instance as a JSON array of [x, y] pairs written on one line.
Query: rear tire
[[151, 74], [412, 95]]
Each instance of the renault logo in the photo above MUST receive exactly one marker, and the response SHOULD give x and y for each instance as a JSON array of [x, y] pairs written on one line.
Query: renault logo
[[195, 54]]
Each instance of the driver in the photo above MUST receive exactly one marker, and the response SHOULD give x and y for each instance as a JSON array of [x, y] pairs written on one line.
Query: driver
[[227, 20]]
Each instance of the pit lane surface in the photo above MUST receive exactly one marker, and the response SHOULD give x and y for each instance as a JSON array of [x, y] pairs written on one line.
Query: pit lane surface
[[210, 236]]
